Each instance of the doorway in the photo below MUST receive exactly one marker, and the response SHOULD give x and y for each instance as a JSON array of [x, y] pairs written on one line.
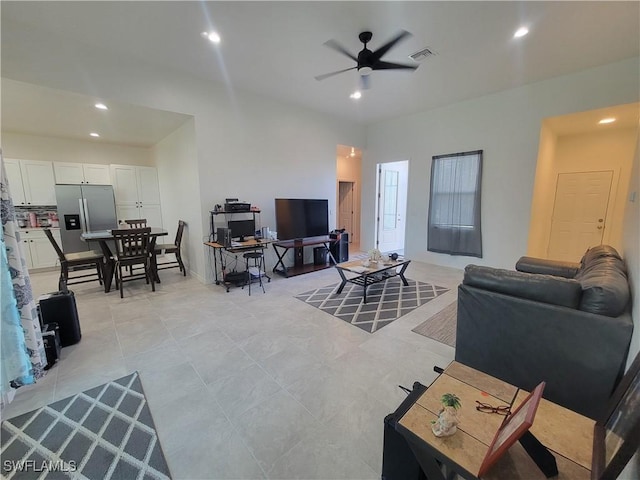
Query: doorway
[[579, 213], [346, 207], [392, 206]]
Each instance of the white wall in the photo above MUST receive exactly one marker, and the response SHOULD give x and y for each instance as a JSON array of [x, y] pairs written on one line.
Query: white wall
[[177, 163], [506, 125], [543, 195], [36, 147], [247, 146]]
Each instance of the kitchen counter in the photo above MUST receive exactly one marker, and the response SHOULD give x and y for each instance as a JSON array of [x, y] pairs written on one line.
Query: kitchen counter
[[38, 228]]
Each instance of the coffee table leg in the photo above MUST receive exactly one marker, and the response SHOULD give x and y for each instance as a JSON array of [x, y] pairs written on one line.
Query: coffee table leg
[[401, 274], [344, 280], [364, 289]]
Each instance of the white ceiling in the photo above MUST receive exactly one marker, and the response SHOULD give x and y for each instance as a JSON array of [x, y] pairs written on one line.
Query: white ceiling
[[276, 48], [36, 110]]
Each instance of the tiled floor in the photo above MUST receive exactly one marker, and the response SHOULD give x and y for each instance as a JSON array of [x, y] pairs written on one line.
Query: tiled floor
[[260, 386]]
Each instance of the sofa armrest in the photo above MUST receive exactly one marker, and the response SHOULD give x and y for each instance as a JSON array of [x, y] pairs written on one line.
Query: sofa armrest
[[580, 355], [547, 267]]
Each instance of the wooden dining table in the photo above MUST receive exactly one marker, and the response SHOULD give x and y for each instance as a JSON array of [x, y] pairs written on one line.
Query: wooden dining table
[[103, 237]]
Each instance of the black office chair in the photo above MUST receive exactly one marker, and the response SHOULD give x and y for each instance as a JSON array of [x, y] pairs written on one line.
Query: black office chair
[[133, 247], [173, 248], [78, 259]]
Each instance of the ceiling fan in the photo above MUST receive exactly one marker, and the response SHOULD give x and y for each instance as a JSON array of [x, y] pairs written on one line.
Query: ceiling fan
[[368, 61]]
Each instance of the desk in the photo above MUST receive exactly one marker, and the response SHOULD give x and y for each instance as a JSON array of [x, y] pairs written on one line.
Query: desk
[[103, 237], [568, 435], [374, 273], [248, 246]]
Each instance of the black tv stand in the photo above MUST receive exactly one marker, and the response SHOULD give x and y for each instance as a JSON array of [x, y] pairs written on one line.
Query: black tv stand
[[299, 267]]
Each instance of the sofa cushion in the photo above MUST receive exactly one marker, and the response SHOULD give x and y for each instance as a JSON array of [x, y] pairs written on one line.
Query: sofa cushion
[[603, 277], [542, 288], [599, 251]]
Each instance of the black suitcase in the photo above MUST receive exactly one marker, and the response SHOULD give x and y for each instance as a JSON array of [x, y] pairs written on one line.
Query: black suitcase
[[60, 308], [51, 341], [398, 460]]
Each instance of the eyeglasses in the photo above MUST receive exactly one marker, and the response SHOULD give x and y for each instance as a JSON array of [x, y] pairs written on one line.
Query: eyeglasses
[[486, 408]]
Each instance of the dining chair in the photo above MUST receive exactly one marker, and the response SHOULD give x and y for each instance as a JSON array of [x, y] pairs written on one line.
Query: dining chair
[[172, 248], [133, 247], [71, 261], [136, 222]]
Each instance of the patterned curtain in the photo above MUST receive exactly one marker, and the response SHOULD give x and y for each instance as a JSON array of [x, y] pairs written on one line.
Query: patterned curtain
[[22, 356]]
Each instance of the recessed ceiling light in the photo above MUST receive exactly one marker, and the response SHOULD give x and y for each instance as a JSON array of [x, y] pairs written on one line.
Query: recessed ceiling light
[[101, 106], [94, 134], [521, 32], [607, 120], [355, 95], [213, 37]]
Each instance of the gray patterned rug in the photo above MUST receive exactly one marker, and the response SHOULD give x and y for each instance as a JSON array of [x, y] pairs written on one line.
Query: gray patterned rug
[[386, 301], [103, 433]]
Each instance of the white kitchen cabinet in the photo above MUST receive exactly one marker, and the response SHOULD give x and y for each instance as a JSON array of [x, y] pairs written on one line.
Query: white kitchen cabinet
[[38, 251], [35, 185], [79, 173], [14, 176], [137, 193]]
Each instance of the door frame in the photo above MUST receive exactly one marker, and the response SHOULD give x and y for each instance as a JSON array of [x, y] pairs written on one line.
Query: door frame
[[378, 207]]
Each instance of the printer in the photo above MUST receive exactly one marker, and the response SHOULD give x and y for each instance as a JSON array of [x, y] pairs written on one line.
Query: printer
[[234, 206]]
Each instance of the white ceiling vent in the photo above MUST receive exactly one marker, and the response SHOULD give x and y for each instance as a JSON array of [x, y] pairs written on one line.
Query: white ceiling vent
[[423, 54]]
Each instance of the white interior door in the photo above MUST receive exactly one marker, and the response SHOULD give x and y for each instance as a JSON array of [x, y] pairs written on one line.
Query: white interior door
[[579, 214], [392, 205], [345, 208]]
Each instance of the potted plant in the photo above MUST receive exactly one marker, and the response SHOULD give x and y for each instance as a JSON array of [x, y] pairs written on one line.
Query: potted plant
[[447, 422]]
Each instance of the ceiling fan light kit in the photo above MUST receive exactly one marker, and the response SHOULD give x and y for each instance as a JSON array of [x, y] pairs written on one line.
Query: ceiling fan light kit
[[367, 61]]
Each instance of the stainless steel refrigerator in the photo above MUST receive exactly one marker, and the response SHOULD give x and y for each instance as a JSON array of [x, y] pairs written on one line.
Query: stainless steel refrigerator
[[84, 208]]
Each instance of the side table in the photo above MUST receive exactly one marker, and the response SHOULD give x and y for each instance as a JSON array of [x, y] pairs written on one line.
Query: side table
[[567, 435]]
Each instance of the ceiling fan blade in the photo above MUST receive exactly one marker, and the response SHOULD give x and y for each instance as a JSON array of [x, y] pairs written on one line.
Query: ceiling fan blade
[[377, 55], [327, 75], [339, 48], [392, 66]]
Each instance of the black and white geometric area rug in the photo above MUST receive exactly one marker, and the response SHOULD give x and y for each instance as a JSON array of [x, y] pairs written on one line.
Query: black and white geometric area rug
[[103, 433], [386, 301]]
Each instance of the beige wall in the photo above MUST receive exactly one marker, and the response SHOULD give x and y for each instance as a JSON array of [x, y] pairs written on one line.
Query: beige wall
[[34, 147], [609, 150], [350, 170]]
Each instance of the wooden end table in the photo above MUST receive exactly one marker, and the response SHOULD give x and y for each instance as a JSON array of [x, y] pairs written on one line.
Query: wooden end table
[[374, 273], [566, 434]]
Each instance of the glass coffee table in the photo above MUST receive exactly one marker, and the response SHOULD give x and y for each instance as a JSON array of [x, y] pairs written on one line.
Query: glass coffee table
[[375, 272]]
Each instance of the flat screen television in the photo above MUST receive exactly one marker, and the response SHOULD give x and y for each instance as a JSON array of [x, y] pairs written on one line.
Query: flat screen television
[[301, 218]]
